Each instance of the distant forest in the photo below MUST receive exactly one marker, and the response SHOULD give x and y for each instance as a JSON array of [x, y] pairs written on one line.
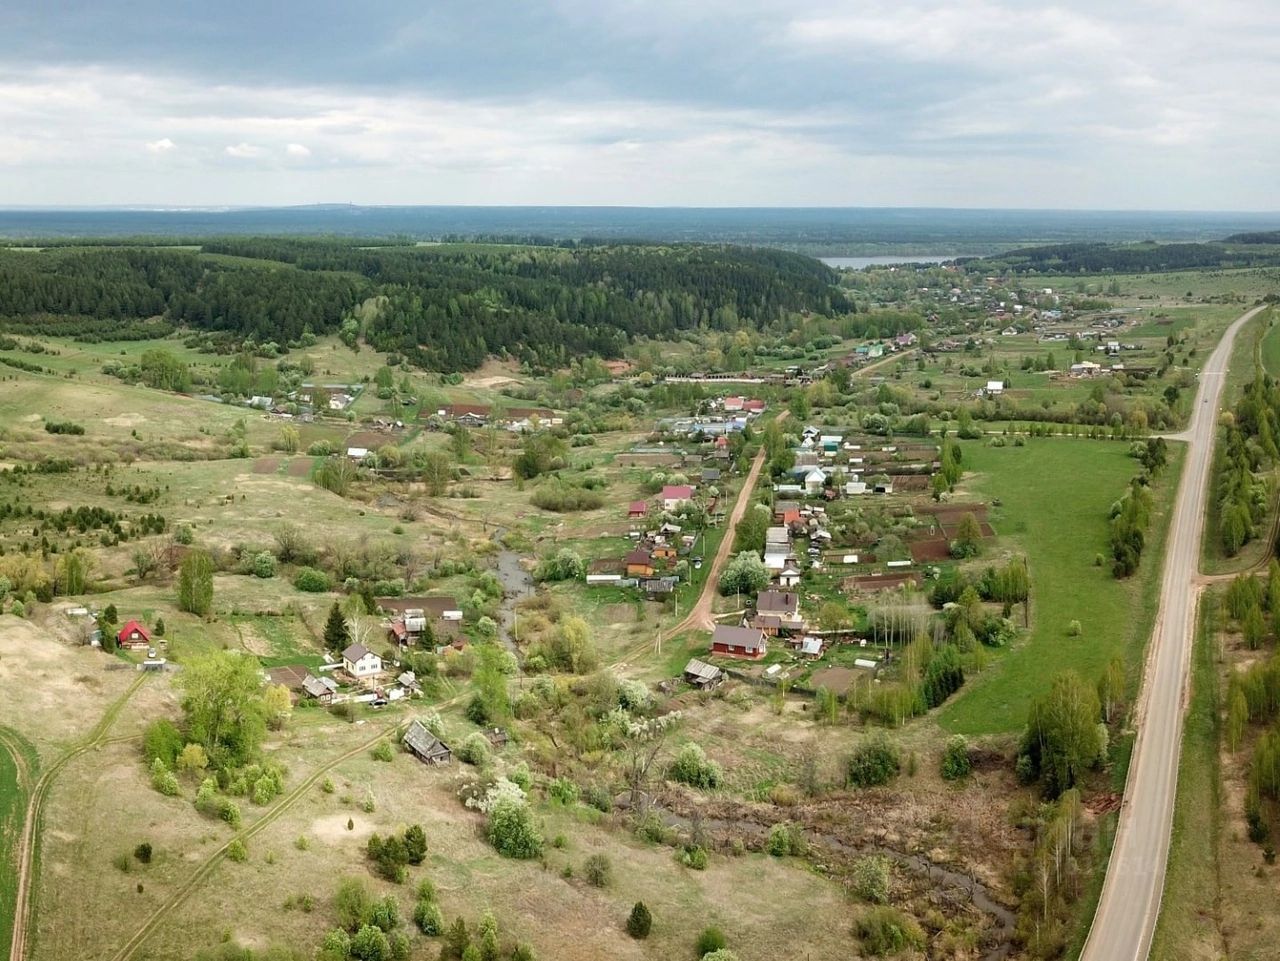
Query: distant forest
[[443, 308], [1131, 258]]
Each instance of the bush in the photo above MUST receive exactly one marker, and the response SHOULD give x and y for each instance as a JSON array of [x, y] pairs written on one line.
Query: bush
[[597, 870], [874, 761], [885, 930], [691, 766], [474, 749], [143, 852], [563, 790], [164, 780], [370, 944], [162, 741], [311, 580], [871, 879], [711, 939], [429, 918], [264, 565], [785, 839], [639, 921], [557, 496], [237, 852], [693, 856], [955, 759], [512, 830], [383, 752]]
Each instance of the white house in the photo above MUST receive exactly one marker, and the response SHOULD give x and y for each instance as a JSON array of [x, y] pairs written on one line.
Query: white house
[[853, 488], [357, 453], [359, 661], [994, 388], [814, 481]]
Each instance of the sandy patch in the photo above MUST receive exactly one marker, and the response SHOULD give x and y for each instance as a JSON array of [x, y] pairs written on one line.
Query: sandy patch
[[332, 829], [31, 419], [253, 642], [125, 420]]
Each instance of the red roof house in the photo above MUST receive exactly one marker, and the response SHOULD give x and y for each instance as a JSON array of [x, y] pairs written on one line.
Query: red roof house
[[638, 509], [133, 635]]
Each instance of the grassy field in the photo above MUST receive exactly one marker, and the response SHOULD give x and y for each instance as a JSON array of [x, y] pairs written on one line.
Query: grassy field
[[1188, 928], [1054, 496]]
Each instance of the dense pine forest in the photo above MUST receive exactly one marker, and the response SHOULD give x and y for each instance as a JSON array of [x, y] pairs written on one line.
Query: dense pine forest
[[443, 307], [1130, 258]]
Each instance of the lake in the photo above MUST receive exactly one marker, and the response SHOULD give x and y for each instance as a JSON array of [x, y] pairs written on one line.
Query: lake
[[858, 263]]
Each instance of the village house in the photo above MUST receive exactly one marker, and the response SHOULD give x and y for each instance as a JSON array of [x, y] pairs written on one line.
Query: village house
[[778, 612], [637, 509], [133, 637], [639, 563], [425, 746], [411, 616], [994, 388], [360, 662], [320, 688], [746, 642], [673, 495]]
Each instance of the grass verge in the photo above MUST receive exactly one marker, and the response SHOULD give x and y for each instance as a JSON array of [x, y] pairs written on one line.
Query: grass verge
[[1188, 927]]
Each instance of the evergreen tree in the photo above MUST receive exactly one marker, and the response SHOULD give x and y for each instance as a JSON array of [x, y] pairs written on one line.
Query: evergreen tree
[[335, 629]]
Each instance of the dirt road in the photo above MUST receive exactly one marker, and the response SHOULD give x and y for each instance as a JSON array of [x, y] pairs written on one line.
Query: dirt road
[[23, 912], [1130, 903]]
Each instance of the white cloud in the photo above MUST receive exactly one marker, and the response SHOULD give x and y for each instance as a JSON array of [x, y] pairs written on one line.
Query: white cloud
[[163, 145], [243, 151], [298, 150]]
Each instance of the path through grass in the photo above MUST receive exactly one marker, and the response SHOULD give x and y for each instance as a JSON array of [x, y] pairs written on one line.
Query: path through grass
[[1055, 494]]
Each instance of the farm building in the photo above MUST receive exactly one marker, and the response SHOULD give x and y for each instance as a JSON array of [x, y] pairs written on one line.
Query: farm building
[[738, 641], [425, 746], [133, 636], [702, 675]]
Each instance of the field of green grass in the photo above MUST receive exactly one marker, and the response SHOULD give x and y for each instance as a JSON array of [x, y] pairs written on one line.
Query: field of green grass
[[1054, 496]]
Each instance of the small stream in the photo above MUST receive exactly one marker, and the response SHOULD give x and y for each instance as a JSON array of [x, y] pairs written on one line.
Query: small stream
[[517, 584]]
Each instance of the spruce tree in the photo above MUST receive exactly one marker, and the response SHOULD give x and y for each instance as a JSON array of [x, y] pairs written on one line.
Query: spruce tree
[[335, 629], [639, 921]]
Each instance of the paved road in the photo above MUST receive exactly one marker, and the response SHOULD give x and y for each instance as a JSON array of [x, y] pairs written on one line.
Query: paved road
[[1130, 902]]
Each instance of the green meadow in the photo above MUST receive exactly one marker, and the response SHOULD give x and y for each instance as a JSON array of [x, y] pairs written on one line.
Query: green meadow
[[1054, 496]]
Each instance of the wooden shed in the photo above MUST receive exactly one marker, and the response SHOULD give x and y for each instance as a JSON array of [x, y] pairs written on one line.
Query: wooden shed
[[425, 746]]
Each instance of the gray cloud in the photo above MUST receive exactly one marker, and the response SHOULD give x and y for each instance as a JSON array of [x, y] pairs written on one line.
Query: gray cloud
[[921, 102]]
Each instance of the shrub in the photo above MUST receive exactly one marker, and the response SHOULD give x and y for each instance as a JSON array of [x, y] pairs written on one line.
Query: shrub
[[711, 939], [721, 954], [874, 761], [143, 852], [955, 759], [785, 839], [563, 790], [311, 580], [383, 752], [598, 798], [639, 921], [264, 565], [597, 870], [428, 917], [693, 856], [885, 930], [237, 852], [691, 766], [164, 780], [370, 944], [871, 879], [474, 749], [162, 741], [122, 863]]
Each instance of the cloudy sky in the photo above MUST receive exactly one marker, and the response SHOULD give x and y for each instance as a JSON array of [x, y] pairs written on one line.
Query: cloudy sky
[[1126, 104]]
